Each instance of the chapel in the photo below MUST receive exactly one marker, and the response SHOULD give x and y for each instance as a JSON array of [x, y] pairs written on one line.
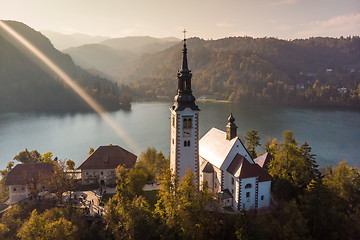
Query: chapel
[[219, 160]]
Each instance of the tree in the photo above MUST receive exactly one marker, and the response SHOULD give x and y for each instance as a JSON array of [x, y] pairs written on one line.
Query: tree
[[91, 150], [29, 157], [60, 182], [181, 209], [153, 163], [344, 181], [292, 168], [47, 157], [128, 214], [4, 190], [70, 164], [253, 140], [137, 179], [47, 226]]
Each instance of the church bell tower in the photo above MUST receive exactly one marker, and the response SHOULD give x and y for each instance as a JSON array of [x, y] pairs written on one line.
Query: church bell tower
[[184, 143]]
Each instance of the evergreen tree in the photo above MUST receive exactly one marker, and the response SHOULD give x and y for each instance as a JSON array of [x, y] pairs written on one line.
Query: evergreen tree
[[252, 140]]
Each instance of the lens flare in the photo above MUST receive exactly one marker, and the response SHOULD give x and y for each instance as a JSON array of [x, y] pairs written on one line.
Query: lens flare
[[71, 83]]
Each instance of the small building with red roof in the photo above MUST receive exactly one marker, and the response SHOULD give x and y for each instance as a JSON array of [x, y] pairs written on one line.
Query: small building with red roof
[[100, 166], [28, 178]]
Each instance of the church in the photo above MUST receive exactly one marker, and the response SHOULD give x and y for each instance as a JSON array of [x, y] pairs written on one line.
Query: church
[[219, 159]]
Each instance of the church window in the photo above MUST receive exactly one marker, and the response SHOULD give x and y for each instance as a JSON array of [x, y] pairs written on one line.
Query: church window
[[248, 185], [247, 194], [172, 141], [173, 121], [187, 122], [188, 143], [185, 143]]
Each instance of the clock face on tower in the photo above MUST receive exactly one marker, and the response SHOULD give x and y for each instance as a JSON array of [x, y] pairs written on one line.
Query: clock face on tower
[[187, 133]]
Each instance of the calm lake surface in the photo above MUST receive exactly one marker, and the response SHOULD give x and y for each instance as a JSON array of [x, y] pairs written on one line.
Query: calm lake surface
[[332, 134]]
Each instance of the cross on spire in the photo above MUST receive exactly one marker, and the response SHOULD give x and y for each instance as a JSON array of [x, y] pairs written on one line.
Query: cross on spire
[[184, 34]]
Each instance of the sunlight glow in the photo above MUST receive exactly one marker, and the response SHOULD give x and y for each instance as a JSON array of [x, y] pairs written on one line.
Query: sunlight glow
[[72, 84]]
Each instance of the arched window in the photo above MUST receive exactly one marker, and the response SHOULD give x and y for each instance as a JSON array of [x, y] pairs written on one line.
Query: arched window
[[248, 185], [187, 122], [188, 143], [185, 143]]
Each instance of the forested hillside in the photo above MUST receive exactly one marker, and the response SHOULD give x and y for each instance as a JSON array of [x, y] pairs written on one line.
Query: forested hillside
[[25, 83], [302, 72]]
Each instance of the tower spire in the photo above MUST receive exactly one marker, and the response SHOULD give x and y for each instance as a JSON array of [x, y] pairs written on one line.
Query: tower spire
[[184, 98], [184, 66], [231, 128]]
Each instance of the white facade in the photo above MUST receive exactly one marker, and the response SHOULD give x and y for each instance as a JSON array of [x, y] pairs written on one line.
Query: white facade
[[102, 176], [18, 193], [184, 144], [232, 170], [264, 194]]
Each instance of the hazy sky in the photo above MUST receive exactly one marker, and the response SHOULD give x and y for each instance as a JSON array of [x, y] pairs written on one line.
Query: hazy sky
[[286, 19]]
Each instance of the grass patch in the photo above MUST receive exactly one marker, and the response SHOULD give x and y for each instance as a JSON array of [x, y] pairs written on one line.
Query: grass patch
[[151, 197]]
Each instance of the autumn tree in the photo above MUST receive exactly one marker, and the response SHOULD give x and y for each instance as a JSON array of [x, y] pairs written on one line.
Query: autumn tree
[[292, 168], [4, 190], [181, 209], [47, 157], [70, 164], [344, 181], [27, 156], [128, 214], [153, 162], [47, 226]]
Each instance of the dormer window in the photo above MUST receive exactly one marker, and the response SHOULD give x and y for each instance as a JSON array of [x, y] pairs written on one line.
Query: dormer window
[[106, 159]]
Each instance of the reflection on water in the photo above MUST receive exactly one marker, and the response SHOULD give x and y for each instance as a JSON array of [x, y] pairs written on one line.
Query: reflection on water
[[333, 134]]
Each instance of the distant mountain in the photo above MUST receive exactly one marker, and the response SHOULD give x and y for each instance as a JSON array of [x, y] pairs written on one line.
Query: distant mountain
[[108, 55], [143, 44], [245, 69], [27, 85], [98, 56], [63, 41]]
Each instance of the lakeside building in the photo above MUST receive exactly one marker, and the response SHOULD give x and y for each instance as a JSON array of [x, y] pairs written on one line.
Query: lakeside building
[[184, 145], [100, 166], [28, 178], [228, 170], [219, 161]]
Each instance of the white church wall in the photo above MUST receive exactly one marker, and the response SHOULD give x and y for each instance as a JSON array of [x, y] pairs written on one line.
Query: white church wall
[[186, 154], [237, 148], [217, 179], [265, 191], [248, 194], [229, 183]]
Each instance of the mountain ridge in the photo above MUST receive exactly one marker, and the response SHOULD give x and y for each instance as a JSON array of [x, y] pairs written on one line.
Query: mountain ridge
[[27, 85]]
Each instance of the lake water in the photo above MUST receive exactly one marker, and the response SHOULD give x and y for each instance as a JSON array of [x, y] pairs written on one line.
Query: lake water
[[332, 134]]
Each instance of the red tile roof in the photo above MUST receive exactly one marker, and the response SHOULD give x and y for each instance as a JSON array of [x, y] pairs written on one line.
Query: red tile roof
[[248, 170], [109, 157], [22, 174]]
